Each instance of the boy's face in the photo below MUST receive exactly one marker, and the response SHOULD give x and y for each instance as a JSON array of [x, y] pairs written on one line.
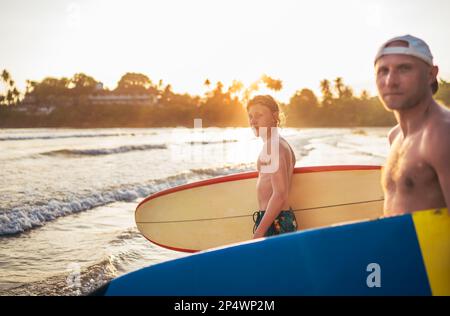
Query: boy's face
[[261, 116]]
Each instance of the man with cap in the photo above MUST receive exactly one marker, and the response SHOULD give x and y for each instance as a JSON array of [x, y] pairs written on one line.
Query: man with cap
[[417, 172]]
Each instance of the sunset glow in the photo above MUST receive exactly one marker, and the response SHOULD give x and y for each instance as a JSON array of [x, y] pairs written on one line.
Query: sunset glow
[[185, 42]]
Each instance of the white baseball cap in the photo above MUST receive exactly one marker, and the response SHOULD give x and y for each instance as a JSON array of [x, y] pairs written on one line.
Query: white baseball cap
[[416, 47]]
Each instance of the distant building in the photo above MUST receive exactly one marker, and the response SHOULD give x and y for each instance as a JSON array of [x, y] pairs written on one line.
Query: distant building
[[123, 99], [100, 96], [44, 110], [28, 101], [19, 109], [29, 104], [99, 86]]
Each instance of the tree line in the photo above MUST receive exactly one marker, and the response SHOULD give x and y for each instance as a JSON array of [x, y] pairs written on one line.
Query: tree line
[[219, 106]]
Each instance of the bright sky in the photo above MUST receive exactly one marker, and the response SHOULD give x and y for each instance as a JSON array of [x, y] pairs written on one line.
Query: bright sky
[[184, 42]]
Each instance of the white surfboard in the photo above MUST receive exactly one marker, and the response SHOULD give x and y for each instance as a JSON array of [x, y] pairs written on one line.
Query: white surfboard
[[219, 211]]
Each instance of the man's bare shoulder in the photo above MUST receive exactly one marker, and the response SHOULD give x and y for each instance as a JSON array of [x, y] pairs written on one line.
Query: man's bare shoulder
[[393, 133], [437, 136], [444, 115], [438, 127]]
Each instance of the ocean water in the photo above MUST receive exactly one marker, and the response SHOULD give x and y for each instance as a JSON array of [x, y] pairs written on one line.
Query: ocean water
[[67, 196]]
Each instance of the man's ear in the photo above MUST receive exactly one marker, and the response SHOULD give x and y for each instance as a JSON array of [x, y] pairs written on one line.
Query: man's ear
[[434, 70]]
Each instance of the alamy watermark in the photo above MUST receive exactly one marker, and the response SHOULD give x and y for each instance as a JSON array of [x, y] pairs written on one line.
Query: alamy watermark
[[73, 11], [374, 278], [187, 145]]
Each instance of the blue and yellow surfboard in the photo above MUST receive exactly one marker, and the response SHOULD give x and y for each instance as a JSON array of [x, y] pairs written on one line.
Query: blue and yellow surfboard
[[402, 255]]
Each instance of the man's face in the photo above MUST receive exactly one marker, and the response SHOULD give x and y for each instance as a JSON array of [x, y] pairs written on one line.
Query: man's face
[[402, 81]]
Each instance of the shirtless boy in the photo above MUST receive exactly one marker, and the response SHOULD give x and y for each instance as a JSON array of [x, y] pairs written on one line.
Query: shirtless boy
[[275, 166]]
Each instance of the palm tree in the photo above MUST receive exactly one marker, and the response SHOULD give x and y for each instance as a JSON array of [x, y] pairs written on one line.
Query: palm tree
[[219, 87], [5, 76], [327, 96], [273, 84], [235, 88], [253, 87], [364, 95], [339, 86], [12, 94]]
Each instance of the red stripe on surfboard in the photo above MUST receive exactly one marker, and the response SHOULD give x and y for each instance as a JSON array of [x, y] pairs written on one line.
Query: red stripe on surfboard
[[171, 248], [253, 174]]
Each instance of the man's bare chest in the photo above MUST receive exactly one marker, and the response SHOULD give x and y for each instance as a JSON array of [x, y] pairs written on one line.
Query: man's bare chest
[[406, 168]]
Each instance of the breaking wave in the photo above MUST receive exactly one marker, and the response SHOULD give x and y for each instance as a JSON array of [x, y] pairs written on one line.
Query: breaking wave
[[102, 151], [25, 217]]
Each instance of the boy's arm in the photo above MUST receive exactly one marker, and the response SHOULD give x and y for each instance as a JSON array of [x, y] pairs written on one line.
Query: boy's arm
[[280, 191]]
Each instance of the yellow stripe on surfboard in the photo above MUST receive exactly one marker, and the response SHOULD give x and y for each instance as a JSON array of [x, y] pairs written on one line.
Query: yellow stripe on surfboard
[[433, 233]]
